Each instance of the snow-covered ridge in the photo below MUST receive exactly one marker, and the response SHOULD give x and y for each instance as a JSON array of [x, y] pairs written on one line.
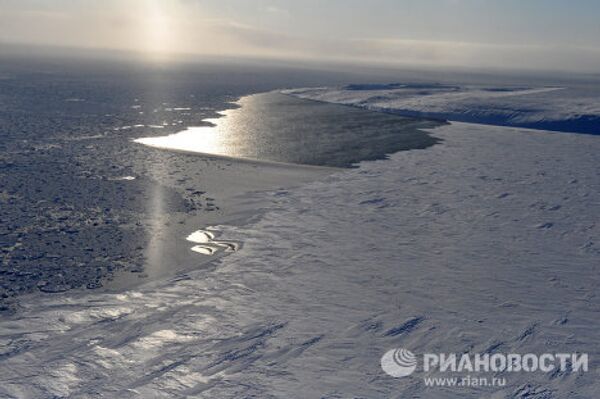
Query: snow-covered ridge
[[553, 108]]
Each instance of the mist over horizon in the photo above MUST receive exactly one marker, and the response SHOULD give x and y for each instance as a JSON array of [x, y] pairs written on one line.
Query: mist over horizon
[[538, 35]]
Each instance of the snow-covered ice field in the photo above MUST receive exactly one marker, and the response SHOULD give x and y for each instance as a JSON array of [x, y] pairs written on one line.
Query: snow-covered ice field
[[487, 242], [574, 107]]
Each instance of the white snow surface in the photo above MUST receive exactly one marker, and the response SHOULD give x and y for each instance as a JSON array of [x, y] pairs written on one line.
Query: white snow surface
[[513, 106], [487, 242]]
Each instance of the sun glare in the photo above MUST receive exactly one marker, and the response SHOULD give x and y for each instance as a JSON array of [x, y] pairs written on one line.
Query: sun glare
[[157, 29]]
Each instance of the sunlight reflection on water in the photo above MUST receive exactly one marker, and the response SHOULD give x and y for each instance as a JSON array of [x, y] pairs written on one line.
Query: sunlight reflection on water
[[215, 140], [276, 127]]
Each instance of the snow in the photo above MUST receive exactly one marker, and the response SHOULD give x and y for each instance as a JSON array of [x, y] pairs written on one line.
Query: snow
[[515, 106], [485, 242]]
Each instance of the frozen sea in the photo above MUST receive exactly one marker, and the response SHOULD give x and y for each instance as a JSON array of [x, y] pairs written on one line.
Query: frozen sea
[[81, 202], [227, 278]]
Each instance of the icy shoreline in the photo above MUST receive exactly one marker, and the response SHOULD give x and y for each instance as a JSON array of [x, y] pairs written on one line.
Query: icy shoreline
[[484, 243]]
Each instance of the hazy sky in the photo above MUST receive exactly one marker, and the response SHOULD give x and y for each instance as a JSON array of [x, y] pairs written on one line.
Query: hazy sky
[[549, 34]]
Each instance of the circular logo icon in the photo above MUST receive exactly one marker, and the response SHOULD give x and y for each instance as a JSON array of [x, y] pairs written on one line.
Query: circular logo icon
[[399, 362]]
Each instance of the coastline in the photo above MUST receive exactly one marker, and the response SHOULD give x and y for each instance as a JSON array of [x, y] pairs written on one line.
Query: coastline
[[230, 181]]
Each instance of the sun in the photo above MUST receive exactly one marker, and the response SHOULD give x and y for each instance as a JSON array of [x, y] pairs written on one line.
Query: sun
[[157, 28]]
